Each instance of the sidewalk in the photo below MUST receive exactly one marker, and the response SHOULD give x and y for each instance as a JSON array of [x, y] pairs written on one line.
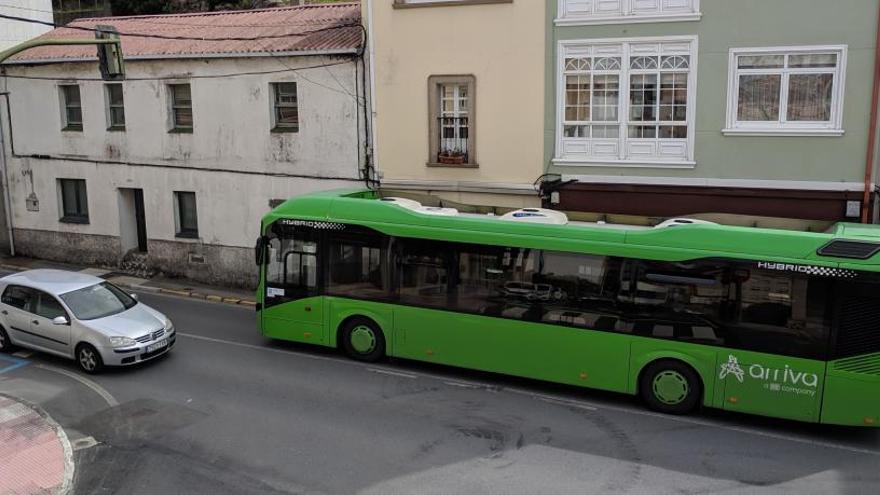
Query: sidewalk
[[175, 287], [35, 455]]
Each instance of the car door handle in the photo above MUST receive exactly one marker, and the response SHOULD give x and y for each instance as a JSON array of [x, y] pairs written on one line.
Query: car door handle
[[35, 322], [4, 312]]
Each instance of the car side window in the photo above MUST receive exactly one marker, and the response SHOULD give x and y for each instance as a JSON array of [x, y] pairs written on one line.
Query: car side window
[[49, 307], [18, 297]]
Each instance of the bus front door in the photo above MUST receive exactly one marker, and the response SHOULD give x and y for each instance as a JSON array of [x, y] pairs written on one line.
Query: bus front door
[[293, 308]]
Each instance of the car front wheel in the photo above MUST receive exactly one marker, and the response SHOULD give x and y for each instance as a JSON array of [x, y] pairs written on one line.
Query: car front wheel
[[88, 359]]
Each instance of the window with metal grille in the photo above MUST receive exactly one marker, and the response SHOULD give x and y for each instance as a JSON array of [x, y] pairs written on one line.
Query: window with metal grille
[[74, 201], [286, 107], [72, 112]]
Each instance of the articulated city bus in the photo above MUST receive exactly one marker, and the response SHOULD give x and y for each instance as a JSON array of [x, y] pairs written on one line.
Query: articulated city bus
[[685, 313]]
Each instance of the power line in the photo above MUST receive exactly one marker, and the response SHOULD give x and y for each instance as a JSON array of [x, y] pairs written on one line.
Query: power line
[[185, 38], [175, 77]]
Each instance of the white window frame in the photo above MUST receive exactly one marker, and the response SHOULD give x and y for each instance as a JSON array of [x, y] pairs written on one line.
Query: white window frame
[[630, 12], [623, 158], [833, 127]]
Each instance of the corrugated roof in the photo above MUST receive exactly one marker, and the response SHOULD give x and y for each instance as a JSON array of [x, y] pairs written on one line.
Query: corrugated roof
[[308, 28]]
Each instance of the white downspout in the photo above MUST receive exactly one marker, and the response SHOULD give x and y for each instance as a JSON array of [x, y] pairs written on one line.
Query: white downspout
[[7, 203], [371, 66]]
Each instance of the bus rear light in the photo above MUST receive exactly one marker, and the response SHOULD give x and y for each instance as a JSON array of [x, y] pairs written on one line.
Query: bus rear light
[[870, 421]]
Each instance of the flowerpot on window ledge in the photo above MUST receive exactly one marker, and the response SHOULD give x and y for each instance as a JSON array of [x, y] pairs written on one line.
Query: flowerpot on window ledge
[[451, 158]]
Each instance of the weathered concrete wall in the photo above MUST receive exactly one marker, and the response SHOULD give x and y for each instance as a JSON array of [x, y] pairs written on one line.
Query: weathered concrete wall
[[206, 263], [69, 247], [14, 32], [232, 160]]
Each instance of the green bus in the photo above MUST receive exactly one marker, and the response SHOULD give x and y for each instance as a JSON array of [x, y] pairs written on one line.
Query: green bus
[[687, 313]]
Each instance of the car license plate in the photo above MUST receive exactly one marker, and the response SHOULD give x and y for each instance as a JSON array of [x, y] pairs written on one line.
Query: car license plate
[[158, 345]]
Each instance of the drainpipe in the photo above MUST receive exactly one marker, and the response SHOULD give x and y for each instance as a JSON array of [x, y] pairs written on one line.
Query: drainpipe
[[872, 128], [7, 203], [371, 65]]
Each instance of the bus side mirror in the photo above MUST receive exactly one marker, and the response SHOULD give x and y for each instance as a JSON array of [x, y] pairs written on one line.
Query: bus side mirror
[[260, 250]]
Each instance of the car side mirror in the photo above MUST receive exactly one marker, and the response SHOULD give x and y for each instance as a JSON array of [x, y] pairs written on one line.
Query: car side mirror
[[60, 320], [134, 296]]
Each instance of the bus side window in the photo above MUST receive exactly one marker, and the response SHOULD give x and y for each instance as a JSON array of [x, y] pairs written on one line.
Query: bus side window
[[424, 273], [291, 263], [784, 313]]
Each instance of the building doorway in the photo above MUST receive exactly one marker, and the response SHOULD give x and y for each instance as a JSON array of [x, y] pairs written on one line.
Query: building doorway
[[132, 220]]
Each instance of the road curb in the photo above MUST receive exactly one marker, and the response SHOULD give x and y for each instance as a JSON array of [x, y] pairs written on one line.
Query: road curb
[[235, 301]]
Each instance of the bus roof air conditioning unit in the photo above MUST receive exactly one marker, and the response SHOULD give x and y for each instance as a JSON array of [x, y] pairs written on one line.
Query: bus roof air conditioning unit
[[675, 222], [417, 207], [536, 215]]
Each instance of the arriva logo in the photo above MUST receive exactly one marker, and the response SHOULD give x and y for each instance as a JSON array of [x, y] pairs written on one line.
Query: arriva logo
[[758, 372], [731, 367]]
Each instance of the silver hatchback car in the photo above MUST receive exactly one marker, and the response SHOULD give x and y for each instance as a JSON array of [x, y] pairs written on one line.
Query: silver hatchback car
[[80, 317]]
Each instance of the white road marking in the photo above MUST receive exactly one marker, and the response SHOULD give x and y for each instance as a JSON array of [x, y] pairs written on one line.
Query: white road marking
[[111, 401], [566, 402], [23, 354], [462, 385], [84, 443], [392, 373]]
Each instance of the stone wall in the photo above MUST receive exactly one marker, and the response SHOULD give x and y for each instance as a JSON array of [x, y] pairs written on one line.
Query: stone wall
[[68, 247]]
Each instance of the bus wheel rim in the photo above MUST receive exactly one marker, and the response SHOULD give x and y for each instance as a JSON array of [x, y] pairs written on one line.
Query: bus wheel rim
[[670, 387], [362, 339]]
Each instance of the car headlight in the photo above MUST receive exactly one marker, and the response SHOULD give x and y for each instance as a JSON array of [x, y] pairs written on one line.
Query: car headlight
[[169, 327], [122, 341]]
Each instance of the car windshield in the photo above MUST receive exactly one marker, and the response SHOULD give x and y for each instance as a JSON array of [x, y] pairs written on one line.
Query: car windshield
[[97, 301]]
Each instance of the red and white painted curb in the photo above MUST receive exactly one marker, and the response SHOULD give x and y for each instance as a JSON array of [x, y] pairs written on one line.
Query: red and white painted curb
[[35, 454]]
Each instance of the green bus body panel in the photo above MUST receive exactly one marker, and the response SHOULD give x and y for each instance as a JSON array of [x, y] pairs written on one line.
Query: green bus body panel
[[298, 321], [846, 383], [768, 385]]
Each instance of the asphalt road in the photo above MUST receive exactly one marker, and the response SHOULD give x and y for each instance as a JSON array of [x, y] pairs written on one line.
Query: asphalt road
[[229, 412]]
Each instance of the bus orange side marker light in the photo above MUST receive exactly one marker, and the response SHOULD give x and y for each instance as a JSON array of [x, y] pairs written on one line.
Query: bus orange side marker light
[[733, 400], [583, 376], [870, 421], [429, 352], [307, 335]]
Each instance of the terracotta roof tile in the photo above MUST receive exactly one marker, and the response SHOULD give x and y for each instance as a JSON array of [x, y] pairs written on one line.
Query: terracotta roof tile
[[308, 28]]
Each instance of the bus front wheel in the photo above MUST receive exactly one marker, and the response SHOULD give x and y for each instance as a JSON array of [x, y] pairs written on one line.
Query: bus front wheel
[[670, 387], [363, 340]]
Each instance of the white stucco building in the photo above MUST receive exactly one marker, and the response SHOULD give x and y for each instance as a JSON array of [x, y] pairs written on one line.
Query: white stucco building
[[175, 165], [13, 32]]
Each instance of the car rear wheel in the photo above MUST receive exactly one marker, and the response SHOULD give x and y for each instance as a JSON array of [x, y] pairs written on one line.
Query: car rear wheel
[[88, 359], [5, 343]]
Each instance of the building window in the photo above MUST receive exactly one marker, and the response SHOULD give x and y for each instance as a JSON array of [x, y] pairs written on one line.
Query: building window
[[793, 90], [74, 201], [186, 221], [585, 12], [286, 109], [115, 107], [452, 121], [181, 108], [630, 102], [71, 104]]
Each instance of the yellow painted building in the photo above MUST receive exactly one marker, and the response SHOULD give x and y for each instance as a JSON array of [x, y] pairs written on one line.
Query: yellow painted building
[[457, 105]]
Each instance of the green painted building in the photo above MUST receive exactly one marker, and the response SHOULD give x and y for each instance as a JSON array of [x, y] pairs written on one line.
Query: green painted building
[[676, 107]]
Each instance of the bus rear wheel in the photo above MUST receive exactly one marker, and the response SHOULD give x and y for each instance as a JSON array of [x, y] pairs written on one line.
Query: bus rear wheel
[[670, 387], [363, 340]]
